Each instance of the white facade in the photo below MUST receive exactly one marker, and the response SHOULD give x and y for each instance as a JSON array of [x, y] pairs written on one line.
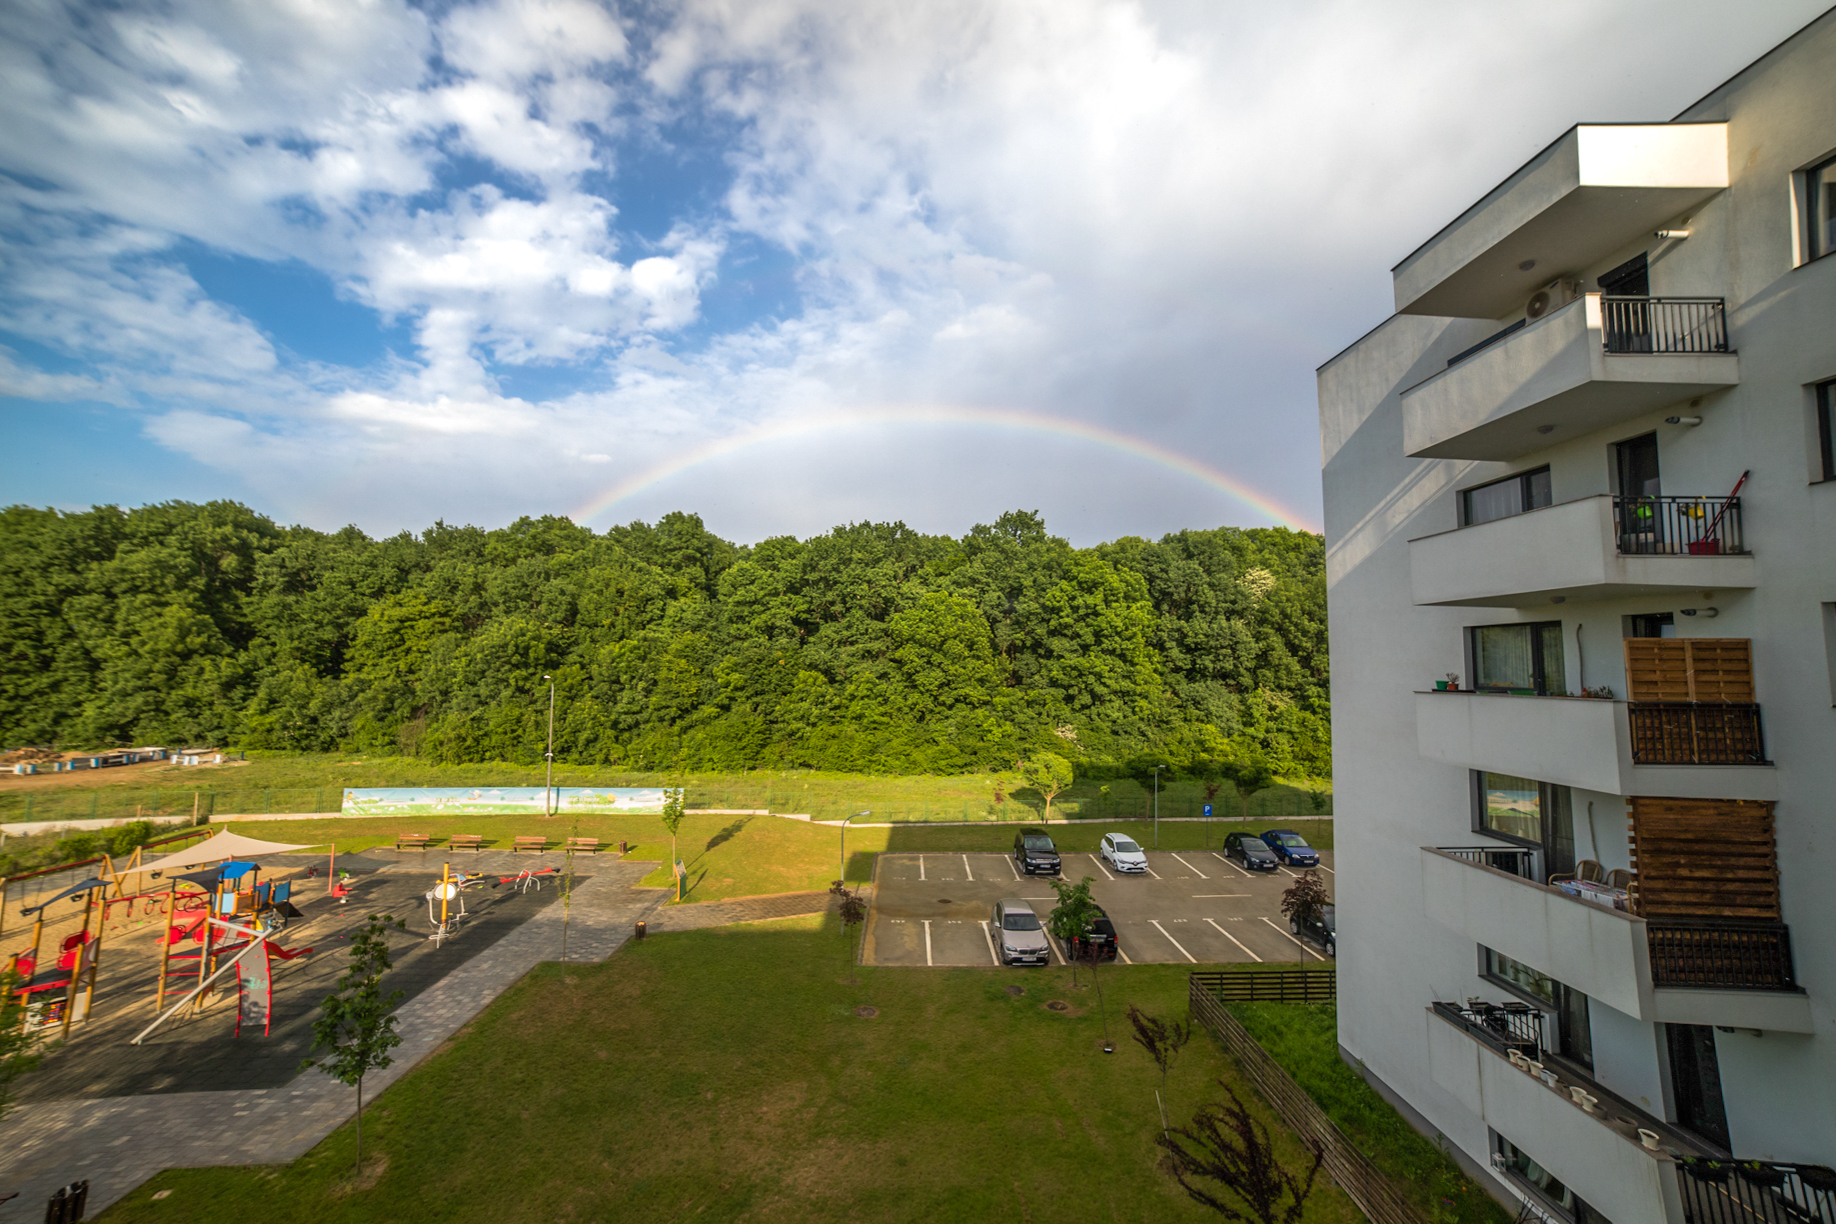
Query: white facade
[[1404, 434]]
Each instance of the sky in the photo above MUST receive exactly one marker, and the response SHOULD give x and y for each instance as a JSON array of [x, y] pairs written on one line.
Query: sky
[[783, 263]]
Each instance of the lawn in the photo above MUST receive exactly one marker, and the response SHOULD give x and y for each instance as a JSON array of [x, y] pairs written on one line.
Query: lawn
[[743, 856], [290, 782], [726, 1075], [1305, 1041]]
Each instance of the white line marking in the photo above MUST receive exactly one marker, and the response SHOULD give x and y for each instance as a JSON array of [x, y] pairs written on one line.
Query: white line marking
[[1194, 870], [1297, 943], [1214, 896], [1101, 868], [1329, 871], [1053, 944], [992, 954], [966, 870], [921, 867], [1010, 866], [927, 942], [1226, 934], [1285, 871], [1173, 941], [1153, 873], [1123, 955], [1230, 864]]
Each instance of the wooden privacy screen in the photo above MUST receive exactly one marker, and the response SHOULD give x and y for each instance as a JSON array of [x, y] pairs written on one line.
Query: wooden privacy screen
[[1689, 669], [1704, 858]]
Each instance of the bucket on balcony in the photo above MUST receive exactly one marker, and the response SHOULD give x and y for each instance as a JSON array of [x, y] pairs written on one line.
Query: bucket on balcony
[[1704, 548]]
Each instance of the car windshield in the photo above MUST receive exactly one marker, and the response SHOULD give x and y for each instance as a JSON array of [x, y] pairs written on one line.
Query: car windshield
[[1331, 918], [1255, 846], [1291, 841], [1020, 922], [1125, 846], [1038, 843]]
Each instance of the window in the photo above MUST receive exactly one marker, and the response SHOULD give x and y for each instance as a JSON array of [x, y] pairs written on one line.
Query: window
[[1503, 498], [1525, 659], [1820, 210], [1527, 981], [1539, 815], [1518, 1165], [1573, 1036], [1826, 426], [1652, 625]]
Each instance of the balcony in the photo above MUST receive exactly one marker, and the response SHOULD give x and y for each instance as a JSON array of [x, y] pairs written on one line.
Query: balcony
[[1696, 733], [1682, 970], [1573, 741], [1592, 191], [1593, 363], [1594, 548]]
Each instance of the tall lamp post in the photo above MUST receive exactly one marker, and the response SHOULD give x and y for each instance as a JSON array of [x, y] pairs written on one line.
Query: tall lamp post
[[548, 776], [843, 877], [1157, 770]]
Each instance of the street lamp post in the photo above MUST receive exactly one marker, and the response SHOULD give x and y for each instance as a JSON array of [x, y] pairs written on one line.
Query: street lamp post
[[1157, 770], [548, 776], [843, 877]]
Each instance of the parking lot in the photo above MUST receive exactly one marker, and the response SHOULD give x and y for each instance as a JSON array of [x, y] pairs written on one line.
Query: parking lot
[[1193, 907]]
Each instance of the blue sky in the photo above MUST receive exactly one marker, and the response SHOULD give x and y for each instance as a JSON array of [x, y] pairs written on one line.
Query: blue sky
[[387, 263]]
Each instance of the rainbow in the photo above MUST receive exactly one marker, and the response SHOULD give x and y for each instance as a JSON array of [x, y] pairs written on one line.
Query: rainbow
[[999, 418]]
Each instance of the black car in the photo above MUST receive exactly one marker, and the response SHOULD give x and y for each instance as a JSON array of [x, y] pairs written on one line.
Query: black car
[[1323, 930], [1098, 941], [1035, 854], [1291, 848], [1251, 851]]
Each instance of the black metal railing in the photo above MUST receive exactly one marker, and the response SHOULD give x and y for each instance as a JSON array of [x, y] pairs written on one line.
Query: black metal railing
[[1678, 526], [1697, 733], [1268, 986], [1720, 953], [1516, 861], [1665, 325], [1502, 1026], [1756, 1192]]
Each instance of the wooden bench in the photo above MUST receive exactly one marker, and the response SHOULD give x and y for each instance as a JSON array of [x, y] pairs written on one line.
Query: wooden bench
[[466, 841], [583, 845], [538, 844], [411, 841]]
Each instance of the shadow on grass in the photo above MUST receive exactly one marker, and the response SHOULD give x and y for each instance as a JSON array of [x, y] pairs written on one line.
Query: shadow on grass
[[727, 834]]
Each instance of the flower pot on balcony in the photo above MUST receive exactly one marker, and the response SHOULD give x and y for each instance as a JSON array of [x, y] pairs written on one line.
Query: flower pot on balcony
[[1817, 1177], [1708, 1170], [1440, 686], [1710, 547], [1762, 1174]]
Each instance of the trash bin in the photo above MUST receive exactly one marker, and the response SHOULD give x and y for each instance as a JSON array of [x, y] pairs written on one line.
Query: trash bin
[[640, 930]]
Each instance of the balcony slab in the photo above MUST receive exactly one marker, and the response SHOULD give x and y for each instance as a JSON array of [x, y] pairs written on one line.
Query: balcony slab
[[1568, 552], [1551, 381]]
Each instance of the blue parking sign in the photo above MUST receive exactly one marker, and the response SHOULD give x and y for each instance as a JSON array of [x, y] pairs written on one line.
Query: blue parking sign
[[1207, 809]]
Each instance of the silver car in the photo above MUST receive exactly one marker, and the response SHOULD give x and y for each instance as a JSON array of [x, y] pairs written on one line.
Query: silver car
[[1023, 939]]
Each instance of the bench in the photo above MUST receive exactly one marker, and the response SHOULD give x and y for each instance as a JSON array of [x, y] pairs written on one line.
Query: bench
[[538, 844], [466, 841], [411, 841], [583, 845]]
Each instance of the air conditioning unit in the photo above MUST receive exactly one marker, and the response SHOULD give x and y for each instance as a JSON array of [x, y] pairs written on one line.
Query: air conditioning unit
[[1553, 296]]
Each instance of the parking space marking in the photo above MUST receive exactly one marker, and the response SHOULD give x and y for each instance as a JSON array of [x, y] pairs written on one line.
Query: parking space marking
[[1153, 873], [1297, 943], [1231, 865], [966, 870], [1010, 866], [986, 934], [1103, 869], [1285, 871], [1123, 955], [1226, 934], [1053, 944], [1173, 941], [1194, 870], [927, 943], [1328, 870]]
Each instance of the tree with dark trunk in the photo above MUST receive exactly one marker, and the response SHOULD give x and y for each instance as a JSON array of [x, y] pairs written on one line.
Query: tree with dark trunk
[[1226, 1161], [358, 1024]]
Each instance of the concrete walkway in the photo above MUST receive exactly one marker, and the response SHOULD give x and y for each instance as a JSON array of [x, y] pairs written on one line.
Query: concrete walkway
[[120, 1142]]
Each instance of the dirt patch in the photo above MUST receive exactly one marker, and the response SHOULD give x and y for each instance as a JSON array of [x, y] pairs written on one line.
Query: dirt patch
[[865, 1012], [1015, 991], [1058, 1005], [373, 1169]]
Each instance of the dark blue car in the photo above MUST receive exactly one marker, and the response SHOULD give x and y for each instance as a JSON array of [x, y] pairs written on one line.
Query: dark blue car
[[1291, 848]]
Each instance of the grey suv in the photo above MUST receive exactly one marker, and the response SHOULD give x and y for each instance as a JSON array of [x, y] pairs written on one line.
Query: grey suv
[[1016, 926], [1034, 852]]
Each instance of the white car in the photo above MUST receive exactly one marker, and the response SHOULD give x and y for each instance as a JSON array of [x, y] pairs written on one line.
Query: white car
[[1121, 852]]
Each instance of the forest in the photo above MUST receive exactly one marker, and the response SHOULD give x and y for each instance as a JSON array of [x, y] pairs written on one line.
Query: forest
[[872, 648]]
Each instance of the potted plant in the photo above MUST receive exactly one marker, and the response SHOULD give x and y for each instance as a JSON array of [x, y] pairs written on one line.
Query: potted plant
[[1762, 1174], [1707, 1170], [1453, 682], [1818, 1177]]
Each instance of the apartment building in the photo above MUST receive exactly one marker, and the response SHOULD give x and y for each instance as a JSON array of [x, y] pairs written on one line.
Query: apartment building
[[1581, 535]]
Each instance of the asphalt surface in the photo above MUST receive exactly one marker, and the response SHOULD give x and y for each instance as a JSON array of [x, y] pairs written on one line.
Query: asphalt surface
[[1194, 907]]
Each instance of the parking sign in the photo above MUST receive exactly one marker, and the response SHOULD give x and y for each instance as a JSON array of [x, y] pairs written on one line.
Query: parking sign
[[1207, 809]]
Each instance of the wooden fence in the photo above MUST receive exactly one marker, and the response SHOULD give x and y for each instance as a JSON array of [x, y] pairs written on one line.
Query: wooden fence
[[1270, 985], [1361, 1180]]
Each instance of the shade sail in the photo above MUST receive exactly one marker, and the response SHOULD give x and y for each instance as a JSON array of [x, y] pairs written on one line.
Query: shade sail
[[225, 845]]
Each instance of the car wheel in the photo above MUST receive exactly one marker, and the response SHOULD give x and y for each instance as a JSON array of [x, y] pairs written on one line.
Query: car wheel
[[1293, 926], [1332, 948]]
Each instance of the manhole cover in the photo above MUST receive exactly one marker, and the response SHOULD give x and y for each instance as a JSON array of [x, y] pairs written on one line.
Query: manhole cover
[[943, 901], [1016, 991], [866, 1013], [1058, 1005]]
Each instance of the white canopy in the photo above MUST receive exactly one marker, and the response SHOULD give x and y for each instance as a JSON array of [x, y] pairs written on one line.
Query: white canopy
[[225, 845]]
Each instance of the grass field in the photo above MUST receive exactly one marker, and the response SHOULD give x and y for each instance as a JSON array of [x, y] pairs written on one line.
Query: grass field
[[277, 782], [725, 1075], [743, 856], [1305, 1041]]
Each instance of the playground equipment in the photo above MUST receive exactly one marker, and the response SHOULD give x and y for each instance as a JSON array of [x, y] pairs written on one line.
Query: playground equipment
[[252, 949], [78, 954]]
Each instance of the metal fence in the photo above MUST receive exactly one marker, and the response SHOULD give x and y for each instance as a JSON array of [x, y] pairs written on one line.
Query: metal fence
[[1678, 526], [1361, 1180], [1720, 954], [1697, 733], [1664, 325], [1270, 986], [1502, 1026], [1756, 1192], [105, 803], [1515, 860]]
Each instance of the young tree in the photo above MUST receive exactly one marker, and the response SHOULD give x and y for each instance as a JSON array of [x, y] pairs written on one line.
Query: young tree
[[1306, 899], [1070, 919], [1161, 1040], [1226, 1146], [1248, 774], [853, 912], [672, 818], [358, 1026], [16, 1053], [1049, 774]]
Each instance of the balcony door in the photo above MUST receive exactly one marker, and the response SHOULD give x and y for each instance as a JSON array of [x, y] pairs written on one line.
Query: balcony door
[[1525, 659], [1635, 464], [1695, 1082], [1627, 315]]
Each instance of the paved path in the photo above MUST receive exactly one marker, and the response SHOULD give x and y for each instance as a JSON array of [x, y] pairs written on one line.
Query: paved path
[[119, 1142]]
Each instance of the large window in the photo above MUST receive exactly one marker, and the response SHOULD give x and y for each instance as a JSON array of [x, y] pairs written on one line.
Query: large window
[[1503, 498], [1519, 659], [1826, 426], [1820, 210], [1519, 1165], [1539, 815], [1572, 1036], [1539, 986]]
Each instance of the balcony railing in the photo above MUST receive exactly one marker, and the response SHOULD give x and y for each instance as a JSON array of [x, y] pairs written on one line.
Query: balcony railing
[[1696, 733], [1720, 954], [1516, 861], [1756, 1192], [1665, 325], [1502, 1026], [1678, 526]]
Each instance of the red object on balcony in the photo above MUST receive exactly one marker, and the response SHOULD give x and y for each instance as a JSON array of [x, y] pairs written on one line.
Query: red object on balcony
[[1705, 548]]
